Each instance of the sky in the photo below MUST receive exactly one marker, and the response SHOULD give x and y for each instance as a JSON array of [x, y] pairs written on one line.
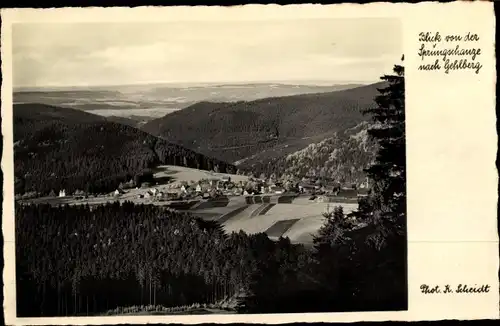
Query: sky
[[310, 51]]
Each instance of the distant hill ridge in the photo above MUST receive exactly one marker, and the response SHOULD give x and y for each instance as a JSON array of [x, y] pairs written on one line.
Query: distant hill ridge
[[340, 85], [238, 130]]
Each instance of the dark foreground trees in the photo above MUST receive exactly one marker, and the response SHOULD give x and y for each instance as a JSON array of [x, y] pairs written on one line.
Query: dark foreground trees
[[77, 260], [369, 264]]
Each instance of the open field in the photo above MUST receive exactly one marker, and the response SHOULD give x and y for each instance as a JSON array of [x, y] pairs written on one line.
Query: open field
[[307, 218], [179, 173], [298, 220], [279, 228]]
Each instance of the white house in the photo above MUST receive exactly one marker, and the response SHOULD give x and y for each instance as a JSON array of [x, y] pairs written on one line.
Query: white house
[[118, 192], [78, 193], [62, 193], [198, 188], [365, 184], [276, 190]]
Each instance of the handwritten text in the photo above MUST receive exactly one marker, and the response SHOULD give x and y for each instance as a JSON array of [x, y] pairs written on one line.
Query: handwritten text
[[449, 52]]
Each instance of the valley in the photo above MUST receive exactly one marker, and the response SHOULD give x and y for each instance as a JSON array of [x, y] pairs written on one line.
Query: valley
[[294, 155]]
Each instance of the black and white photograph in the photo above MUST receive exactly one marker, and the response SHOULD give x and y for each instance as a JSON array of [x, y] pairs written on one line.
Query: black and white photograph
[[209, 167]]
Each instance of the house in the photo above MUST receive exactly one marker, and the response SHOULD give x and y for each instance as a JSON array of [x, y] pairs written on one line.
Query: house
[[365, 184], [147, 195], [226, 178], [215, 193], [184, 188], [198, 188], [78, 193], [305, 186], [276, 189], [172, 195], [62, 193], [154, 191], [140, 196], [118, 192]]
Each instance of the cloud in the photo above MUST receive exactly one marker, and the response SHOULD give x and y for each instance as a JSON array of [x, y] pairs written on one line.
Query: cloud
[[88, 54]]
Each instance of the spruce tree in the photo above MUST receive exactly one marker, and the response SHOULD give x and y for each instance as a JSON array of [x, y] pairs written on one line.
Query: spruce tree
[[367, 267], [380, 278], [385, 207]]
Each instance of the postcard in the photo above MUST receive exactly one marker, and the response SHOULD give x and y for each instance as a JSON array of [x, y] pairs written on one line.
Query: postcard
[[257, 164]]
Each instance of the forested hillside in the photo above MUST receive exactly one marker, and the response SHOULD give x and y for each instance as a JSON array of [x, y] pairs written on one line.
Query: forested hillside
[[343, 158], [235, 131], [61, 148], [88, 261], [74, 260]]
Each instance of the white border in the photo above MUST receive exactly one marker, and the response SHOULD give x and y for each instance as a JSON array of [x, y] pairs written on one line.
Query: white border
[[451, 152]]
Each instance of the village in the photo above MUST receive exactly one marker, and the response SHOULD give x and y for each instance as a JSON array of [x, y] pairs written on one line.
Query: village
[[286, 206], [219, 186]]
